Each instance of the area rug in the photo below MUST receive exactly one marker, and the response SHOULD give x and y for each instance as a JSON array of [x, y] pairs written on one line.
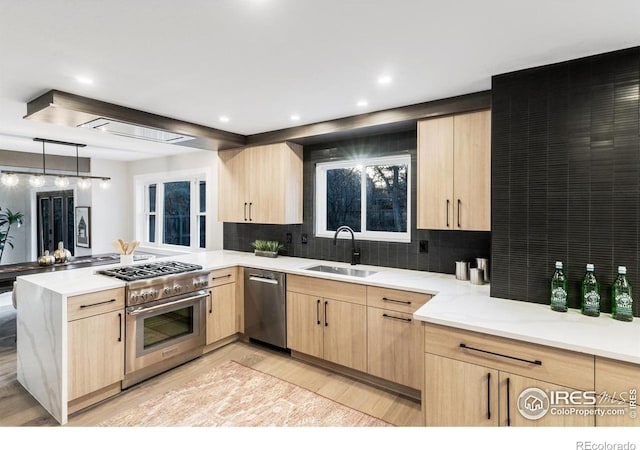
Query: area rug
[[233, 395]]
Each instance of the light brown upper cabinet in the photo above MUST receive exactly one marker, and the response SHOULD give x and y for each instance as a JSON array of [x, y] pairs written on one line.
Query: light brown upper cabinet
[[261, 184], [454, 172]]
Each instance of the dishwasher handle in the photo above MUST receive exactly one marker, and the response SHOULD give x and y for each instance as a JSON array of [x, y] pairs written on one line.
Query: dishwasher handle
[[255, 277]]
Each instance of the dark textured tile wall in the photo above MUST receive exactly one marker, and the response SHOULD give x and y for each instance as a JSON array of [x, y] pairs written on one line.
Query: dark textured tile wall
[[444, 247], [566, 175]]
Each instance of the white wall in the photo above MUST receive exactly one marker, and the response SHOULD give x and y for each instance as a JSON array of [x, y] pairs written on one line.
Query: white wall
[[111, 208], [199, 160], [16, 199]]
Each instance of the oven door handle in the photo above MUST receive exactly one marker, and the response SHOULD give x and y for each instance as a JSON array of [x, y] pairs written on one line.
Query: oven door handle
[[141, 310]]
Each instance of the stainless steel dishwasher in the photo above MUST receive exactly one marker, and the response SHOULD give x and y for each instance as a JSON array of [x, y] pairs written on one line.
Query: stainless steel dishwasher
[[265, 313]]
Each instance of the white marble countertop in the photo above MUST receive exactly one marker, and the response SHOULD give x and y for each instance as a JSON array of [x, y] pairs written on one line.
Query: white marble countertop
[[455, 303]]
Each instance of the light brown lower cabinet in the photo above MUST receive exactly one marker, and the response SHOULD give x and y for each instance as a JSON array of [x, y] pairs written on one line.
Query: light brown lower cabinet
[[394, 346], [513, 396], [457, 393], [617, 386], [329, 329], [96, 353], [221, 312], [476, 379]]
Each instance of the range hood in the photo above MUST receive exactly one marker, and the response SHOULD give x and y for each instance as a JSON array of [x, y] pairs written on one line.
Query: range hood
[[62, 108]]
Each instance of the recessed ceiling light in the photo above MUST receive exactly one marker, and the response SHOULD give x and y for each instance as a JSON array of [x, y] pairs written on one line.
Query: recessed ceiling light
[[385, 79], [362, 103], [295, 117], [84, 80], [224, 119]]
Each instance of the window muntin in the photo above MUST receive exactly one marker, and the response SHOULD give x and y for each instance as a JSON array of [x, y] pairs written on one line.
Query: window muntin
[[176, 213], [372, 196]]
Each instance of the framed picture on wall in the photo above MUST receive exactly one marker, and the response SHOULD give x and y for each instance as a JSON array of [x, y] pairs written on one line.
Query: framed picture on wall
[[83, 226]]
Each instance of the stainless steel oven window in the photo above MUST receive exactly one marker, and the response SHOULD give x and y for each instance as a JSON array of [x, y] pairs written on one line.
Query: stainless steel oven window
[[165, 325]]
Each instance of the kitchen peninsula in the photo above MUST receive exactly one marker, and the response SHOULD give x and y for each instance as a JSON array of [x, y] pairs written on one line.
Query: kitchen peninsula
[[43, 311]]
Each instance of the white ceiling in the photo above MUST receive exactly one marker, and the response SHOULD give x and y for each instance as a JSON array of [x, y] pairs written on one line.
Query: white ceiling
[[260, 61]]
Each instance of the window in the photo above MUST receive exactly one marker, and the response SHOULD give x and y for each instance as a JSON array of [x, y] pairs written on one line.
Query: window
[[371, 196], [173, 210]]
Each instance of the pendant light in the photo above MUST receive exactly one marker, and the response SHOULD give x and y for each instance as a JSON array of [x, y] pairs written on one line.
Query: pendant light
[[38, 179]]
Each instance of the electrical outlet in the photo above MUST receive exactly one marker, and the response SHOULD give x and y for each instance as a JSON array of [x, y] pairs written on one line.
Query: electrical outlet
[[304, 238], [288, 239], [424, 246]]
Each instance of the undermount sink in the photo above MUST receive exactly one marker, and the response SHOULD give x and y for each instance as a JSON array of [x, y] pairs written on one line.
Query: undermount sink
[[342, 271]]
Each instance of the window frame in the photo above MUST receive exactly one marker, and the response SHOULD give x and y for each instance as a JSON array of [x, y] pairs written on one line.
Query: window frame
[[320, 207], [143, 200]]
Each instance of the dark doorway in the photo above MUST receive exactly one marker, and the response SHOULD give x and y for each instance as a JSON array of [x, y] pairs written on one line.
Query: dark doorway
[[55, 220]]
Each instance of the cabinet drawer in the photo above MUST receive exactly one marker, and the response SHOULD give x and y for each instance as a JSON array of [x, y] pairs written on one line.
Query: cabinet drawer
[[223, 276], [318, 287], [396, 300], [86, 305], [535, 361]]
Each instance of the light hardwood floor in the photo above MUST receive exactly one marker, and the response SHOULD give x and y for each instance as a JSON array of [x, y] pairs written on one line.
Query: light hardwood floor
[[18, 408]]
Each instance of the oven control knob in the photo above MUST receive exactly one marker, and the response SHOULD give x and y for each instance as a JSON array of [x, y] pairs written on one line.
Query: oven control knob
[[135, 298], [167, 290], [153, 293], [177, 289]]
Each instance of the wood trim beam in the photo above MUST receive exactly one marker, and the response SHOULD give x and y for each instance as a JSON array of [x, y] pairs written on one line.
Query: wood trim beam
[[386, 121]]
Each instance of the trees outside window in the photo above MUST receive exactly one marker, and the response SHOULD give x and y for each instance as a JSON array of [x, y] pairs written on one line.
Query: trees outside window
[[370, 196]]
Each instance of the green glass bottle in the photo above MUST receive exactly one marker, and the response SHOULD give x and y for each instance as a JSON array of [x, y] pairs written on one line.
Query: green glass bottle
[[590, 293], [559, 289], [622, 297]]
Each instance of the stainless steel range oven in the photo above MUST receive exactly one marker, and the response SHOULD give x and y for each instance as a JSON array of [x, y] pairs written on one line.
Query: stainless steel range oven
[[165, 316]]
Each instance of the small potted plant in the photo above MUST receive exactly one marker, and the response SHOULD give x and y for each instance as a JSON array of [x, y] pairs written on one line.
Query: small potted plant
[[266, 248]]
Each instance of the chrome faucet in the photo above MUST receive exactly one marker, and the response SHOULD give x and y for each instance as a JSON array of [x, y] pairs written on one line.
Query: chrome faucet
[[355, 254]]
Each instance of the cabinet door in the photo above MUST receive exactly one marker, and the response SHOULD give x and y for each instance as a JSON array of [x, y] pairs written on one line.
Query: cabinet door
[[435, 174], [515, 403], [394, 347], [96, 353], [472, 171], [345, 333], [458, 393], [304, 324], [617, 387], [233, 194], [275, 184], [221, 312]]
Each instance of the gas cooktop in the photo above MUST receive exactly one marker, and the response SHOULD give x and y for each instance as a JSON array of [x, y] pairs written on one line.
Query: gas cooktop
[[150, 270]]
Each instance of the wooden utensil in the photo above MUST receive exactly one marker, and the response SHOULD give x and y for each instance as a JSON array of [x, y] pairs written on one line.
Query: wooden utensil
[[116, 244], [132, 246]]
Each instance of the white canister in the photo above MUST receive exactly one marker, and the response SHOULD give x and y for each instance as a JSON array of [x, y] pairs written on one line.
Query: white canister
[[126, 260]]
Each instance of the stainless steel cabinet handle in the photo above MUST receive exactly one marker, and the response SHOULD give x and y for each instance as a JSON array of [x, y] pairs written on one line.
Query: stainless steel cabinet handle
[[318, 312], [250, 218], [387, 316], [404, 302], [447, 213], [245, 211], [210, 302], [325, 314], [489, 396], [529, 361], [97, 304], [458, 213], [119, 327]]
